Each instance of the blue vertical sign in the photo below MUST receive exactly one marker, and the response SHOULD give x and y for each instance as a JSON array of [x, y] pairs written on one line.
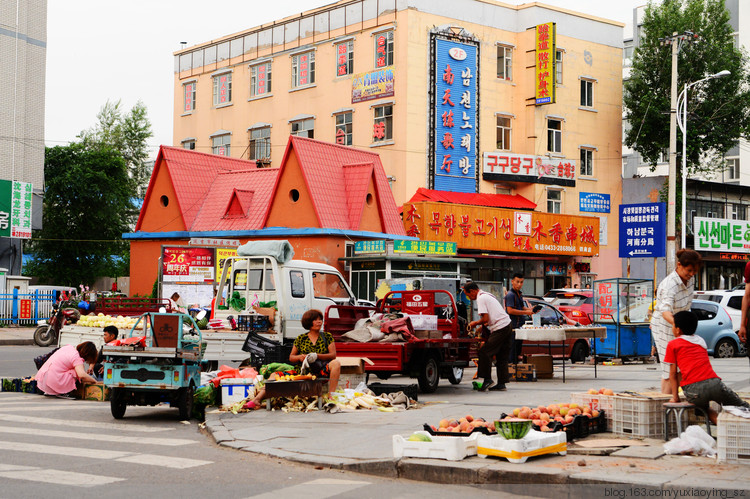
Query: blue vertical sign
[[455, 116], [643, 230]]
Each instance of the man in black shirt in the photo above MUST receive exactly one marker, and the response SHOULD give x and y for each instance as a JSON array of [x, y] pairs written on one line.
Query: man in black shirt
[[518, 312]]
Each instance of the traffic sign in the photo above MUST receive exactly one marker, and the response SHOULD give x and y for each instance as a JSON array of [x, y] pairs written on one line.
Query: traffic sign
[[643, 229]]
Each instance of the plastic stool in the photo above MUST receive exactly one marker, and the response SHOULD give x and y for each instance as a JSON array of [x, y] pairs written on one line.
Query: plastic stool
[[677, 408]]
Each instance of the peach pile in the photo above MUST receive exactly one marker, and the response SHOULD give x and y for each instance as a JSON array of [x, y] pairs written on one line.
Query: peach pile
[[600, 391], [543, 416], [462, 425]]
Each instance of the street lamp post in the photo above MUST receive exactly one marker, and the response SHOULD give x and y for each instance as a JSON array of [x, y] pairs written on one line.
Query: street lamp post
[[682, 123]]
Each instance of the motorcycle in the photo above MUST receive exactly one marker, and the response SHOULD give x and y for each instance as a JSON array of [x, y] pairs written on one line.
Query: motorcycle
[[48, 331]]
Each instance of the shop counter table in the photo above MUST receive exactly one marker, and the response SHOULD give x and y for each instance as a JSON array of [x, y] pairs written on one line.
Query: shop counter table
[[550, 334]]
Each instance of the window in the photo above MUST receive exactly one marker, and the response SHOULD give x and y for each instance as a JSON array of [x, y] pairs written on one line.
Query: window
[[503, 133], [384, 49], [587, 93], [303, 69], [504, 62], [737, 211], [733, 168], [383, 127], [222, 89], [587, 162], [260, 80], [627, 54], [554, 201], [558, 67], [260, 144], [344, 129], [329, 286], [297, 283], [188, 90], [554, 135], [220, 144], [735, 302], [304, 128], [345, 58], [188, 144]]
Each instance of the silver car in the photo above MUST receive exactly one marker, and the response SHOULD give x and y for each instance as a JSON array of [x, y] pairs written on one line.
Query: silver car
[[715, 327]]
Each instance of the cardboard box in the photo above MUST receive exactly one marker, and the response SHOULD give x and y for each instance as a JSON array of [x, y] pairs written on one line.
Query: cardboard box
[[234, 390], [353, 371], [543, 364], [522, 372], [97, 392]]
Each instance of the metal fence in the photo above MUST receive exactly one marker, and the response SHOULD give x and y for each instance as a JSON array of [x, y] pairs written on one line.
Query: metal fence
[[25, 309]]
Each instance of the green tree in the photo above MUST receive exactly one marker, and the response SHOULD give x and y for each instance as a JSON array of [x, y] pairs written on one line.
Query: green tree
[[88, 204], [718, 109]]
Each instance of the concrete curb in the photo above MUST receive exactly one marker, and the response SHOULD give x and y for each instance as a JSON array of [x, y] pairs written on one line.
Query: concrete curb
[[16, 342]]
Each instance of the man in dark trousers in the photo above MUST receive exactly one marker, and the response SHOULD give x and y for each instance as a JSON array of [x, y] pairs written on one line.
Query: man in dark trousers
[[518, 312], [492, 316]]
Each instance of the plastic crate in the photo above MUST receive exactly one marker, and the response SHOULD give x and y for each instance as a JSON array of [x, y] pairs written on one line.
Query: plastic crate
[[254, 322], [733, 438], [595, 401], [264, 351], [589, 426], [411, 391], [450, 448], [641, 417]]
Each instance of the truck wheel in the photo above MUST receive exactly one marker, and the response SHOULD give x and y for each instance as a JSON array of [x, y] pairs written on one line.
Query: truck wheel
[[44, 336], [429, 376], [725, 349], [117, 403], [455, 375], [579, 353], [186, 402]]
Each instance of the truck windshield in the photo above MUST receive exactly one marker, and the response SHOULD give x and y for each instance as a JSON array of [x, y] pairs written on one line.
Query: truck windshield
[[329, 286]]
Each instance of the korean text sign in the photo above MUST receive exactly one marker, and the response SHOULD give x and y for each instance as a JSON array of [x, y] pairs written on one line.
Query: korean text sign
[[185, 264], [455, 116], [593, 202], [498, 229], [721, 234], [545, 63], [500, 165], [643, 229]]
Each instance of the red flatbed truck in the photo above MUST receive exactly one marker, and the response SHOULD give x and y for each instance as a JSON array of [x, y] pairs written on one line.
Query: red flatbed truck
[[445, 354]]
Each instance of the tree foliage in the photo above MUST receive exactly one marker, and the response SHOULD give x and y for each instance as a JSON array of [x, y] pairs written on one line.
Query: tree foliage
[[718, 109]]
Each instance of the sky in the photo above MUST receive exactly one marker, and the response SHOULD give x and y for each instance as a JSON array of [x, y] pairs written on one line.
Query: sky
[[100, 50]]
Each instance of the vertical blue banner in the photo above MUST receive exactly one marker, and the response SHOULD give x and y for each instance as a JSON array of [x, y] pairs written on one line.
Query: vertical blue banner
[[455, 116]]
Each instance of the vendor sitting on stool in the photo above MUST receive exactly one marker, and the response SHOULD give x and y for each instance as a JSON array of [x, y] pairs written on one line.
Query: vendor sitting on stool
[[110, 334], [318, 348]]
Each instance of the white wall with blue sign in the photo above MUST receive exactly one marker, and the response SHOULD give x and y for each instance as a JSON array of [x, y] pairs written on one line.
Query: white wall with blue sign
[[456, 135], [593, 202]]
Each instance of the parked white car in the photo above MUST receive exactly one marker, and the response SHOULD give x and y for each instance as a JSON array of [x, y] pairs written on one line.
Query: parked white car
[[730, 300]]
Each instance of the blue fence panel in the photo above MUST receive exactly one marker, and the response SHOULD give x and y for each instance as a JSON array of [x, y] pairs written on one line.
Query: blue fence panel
[[41, 307]]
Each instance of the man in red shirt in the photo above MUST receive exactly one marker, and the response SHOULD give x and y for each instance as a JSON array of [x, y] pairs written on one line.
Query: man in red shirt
[[699, 382]]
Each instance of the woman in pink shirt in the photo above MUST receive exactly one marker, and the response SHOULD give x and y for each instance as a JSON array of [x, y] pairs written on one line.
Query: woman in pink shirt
[[59, 374]]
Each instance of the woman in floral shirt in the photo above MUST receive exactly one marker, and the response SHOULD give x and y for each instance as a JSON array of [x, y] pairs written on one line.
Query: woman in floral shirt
[[318, 348]]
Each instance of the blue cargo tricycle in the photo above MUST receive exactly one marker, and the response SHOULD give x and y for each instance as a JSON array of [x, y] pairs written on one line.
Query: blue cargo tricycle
[[158, 362], [622, 305]]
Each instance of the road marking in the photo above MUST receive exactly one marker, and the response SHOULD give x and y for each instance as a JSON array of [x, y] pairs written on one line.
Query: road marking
[[171, 442], [315, 489], [83, 423], [60, 477], [166, 461]]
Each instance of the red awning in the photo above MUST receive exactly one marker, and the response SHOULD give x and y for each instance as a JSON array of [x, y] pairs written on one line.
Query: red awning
[[469, 198]]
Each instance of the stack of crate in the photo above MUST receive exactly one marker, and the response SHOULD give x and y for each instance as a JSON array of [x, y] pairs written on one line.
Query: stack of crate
[[733, 438]]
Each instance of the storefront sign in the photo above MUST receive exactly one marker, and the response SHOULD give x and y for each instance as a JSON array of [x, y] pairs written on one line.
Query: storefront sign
[[373, 85], [424, 247], [735, 257], [508, 166], [545, 63], [721, 234], [221, 255], [556, 269], [582, 267], [497, 229], [593, 202], [184, 265], [15, 209], [643, 229], [371, 265], [361, 247], [211, 241], [455, 116], [424, 266]]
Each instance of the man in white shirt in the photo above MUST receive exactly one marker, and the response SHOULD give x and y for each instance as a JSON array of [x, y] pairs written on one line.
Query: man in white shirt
[[493, 316]]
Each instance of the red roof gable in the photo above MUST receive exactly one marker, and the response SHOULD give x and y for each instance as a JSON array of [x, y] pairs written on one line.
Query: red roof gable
[[357, 180], [491, 200]]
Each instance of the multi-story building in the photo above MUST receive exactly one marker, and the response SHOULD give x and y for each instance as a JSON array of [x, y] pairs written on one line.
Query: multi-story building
[[451, 95], [722, 195], [23, 48]]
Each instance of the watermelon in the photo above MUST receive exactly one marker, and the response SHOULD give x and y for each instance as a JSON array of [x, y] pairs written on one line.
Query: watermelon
[[203, 323], [419, 437], [513, 428]]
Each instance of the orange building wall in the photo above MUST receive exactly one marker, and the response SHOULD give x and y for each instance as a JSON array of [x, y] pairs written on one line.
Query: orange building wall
[[284, 211], [157, 217], [371, 220]]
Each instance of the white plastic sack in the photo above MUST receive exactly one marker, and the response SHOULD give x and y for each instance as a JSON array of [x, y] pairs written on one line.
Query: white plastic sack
[[694, 440]]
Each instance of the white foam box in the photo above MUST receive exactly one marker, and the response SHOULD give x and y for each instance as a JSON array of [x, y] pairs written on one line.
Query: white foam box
[[535, 443], [450, 448], [235, 389]]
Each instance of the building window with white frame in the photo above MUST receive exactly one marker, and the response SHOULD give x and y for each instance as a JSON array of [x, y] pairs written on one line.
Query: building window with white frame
[[504, 62], [587, 93], [503, 132], [733, 168], [554, 201], [260, 79], [345, 58], [304, 128], [383, 125], [188, 90], [554, 135], [587, 162], [303, 69], [384, 49], [558, 67], [220, 144], [737, 211], [344, 129], [222, 89], [188, 144], [260, 144]]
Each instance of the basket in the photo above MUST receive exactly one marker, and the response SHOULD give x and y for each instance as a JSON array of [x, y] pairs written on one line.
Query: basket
[[254, 322], [411, 391], [641, 417], [481, 429], [264, 351], [733, 438], [596, 401], [589, 426]]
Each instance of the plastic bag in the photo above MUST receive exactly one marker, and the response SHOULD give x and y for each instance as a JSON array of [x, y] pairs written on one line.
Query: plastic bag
[[694, 440]]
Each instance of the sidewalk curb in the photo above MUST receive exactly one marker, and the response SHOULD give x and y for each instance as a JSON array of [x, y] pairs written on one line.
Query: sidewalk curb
[[16, 342]]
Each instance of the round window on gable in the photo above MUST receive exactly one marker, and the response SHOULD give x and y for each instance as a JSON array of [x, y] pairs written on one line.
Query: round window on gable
[[368, 199], [294, 195], [164, 201]]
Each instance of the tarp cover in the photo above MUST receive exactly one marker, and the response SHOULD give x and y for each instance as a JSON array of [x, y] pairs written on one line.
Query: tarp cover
[[282, 251]]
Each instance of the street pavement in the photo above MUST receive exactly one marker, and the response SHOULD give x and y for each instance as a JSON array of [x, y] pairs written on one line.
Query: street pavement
[[362, 441]]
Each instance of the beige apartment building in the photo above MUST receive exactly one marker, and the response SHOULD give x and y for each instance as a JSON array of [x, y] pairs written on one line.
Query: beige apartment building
[[470, 96]]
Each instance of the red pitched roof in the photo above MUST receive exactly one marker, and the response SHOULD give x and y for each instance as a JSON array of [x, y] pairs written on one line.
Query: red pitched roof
[[491, 200], [357, 180]]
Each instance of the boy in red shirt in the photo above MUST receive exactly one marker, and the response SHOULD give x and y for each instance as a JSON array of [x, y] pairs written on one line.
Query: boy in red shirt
[[699, 382]]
